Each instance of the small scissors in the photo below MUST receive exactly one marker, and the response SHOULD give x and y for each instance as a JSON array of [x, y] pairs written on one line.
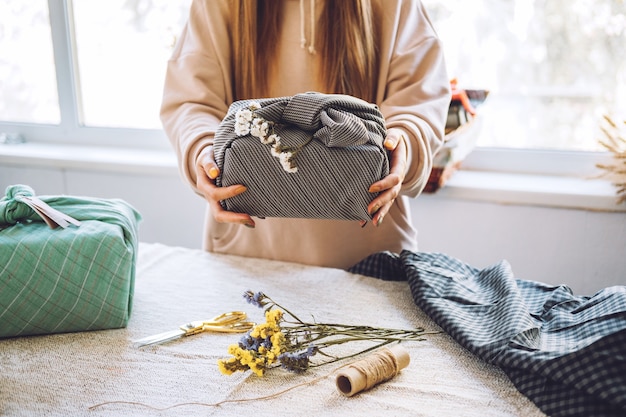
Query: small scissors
[[231, 322]]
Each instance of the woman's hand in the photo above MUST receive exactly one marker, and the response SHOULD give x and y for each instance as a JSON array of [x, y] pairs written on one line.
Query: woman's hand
[[206, 172], [388, 187]]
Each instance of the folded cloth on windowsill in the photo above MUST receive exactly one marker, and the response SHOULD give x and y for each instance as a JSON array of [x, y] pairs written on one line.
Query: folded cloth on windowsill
[[566, 353]]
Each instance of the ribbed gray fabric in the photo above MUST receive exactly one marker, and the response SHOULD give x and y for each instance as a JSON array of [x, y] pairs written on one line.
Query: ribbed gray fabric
[[335, 170]]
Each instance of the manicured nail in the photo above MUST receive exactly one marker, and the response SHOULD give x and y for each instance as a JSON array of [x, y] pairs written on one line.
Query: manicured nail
[[380, 220], [249, 225], [213, 173], [374, 209]]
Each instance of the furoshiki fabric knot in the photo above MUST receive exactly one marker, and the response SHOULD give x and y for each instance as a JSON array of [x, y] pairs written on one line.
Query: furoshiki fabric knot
[[22, 206], [336, 120], [12, 207], [311, 155]]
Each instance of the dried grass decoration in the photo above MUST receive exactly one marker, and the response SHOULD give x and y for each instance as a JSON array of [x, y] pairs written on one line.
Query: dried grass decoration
[[615, 142], [285, 340]]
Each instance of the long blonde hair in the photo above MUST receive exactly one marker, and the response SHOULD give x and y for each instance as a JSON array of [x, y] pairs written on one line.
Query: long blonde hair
[[348, 59]]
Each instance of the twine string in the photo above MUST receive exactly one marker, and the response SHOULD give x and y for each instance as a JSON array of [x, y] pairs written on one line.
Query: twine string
[[362, 375], [215, 404], [378, 367], [375, 368]]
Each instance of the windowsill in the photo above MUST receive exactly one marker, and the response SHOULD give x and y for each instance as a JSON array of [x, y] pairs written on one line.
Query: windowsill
[[89, 158], [536, 190], [493, 187]]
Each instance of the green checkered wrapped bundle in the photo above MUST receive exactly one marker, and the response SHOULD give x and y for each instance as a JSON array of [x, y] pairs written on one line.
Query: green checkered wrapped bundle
[[65, 279]]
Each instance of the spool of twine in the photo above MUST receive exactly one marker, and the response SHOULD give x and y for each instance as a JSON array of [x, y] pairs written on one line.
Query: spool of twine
[[380, 366]]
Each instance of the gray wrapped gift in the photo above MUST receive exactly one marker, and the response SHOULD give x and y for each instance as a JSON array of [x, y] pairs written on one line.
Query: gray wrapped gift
[[311, 155]]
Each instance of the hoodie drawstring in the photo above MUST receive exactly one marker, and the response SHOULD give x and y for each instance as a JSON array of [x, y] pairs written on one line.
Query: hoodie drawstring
[[311, 47]]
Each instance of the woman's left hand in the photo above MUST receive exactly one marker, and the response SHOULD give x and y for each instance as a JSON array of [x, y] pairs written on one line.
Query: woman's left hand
[[389, 187]]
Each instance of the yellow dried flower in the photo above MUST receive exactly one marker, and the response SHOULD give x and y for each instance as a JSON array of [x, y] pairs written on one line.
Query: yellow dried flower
[[292, 342]]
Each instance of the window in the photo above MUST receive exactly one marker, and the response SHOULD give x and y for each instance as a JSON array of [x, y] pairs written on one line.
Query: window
[[121, 50], [27, 73], [88, 71], [82, 71], [553, 68]]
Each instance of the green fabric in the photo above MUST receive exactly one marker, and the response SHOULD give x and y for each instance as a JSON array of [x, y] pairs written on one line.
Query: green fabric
[[66, 280]]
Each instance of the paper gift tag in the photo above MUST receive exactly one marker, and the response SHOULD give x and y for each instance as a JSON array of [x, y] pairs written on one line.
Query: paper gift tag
[[51, 216]]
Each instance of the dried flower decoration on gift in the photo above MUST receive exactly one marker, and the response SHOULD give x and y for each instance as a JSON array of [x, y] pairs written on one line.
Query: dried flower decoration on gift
[[285, 340], [248, 123]]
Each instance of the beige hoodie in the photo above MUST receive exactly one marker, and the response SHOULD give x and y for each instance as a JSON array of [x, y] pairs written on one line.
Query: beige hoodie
[[413, 95]]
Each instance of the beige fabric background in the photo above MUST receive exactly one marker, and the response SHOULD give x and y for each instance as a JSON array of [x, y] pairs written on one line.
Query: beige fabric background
[[66, 374]]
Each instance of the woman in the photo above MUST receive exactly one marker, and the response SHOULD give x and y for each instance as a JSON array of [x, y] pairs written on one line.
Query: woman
[[383, 51]]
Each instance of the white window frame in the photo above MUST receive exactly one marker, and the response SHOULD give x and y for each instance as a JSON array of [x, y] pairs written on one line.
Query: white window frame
[[70, 131], [579, 164]]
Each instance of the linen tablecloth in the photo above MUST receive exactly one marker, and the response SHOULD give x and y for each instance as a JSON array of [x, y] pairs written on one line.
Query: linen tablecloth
[[103, 373]]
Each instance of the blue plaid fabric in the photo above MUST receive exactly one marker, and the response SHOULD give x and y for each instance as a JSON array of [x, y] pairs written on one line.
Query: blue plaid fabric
[[566, 353]]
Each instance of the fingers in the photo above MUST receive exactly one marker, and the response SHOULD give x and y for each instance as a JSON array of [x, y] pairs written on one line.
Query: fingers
[[390, 143], [389, 187], [206, 172], [224, 216], [380, 206], [399, 158], [206, 163]]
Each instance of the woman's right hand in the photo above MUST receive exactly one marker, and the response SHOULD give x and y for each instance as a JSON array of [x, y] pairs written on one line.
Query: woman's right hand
[[206, 172]]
